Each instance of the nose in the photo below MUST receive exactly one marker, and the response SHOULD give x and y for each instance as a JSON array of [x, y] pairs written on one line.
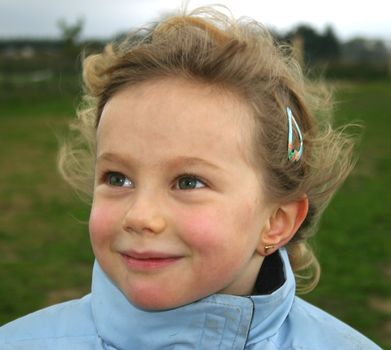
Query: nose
[[144, 215]]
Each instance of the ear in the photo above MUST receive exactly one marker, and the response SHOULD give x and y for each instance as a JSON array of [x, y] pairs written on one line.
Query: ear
[[282, 225]]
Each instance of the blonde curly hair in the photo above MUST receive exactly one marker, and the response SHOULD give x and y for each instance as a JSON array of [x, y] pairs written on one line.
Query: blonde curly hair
[[239, 55]]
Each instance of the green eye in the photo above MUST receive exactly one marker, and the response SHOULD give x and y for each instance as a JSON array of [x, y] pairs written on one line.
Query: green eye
[[189, 183], [118, 180]]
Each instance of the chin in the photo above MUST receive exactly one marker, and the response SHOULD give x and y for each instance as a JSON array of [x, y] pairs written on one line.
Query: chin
[[158, 301], [154, 304]]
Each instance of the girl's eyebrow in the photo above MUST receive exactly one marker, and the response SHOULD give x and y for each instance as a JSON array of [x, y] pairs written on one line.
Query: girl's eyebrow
[[175, 162], [193, 161], [112, 157]]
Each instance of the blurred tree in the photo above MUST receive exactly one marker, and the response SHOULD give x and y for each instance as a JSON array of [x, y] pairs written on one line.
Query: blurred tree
[[310, 39], [70, 39], [317, 47], [70, 33], [365, 51], [330, 45]]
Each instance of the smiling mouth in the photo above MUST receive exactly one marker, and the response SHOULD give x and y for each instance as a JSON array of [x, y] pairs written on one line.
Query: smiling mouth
[[148, 261]]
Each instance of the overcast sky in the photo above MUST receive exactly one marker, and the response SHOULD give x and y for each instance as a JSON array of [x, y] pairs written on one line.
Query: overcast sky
[[105, 18]]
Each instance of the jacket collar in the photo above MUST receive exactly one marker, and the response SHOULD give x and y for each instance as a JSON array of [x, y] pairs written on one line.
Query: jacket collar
[[217, 321]]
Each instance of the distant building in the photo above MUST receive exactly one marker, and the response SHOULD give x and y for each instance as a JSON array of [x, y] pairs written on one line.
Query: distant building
[[298, 49]]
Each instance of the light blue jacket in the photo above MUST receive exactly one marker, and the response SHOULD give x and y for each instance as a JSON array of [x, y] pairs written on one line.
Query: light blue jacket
[[106, 320]]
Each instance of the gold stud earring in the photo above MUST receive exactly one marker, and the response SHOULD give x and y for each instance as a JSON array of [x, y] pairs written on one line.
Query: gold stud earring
[[267, 247]]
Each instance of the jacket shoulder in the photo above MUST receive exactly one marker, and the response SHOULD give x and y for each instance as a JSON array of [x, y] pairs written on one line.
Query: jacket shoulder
[[308, 327], [69, 320]]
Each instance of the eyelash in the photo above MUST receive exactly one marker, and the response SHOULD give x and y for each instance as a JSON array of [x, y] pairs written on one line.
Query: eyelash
[[106, 176]]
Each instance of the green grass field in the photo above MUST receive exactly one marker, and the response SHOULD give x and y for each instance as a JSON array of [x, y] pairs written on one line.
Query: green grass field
[[45, 255]]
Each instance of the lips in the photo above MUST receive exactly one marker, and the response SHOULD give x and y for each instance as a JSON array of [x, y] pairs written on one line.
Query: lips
[[148, 260]]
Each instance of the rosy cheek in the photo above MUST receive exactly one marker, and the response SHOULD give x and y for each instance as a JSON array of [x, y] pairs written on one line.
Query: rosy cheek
[[201, 229], [99, 223]]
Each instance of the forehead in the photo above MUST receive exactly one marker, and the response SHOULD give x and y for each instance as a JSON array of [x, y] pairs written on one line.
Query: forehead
[[176, 116]]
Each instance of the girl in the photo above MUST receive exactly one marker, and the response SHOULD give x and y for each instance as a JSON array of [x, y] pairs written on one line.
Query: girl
[[209, 172]]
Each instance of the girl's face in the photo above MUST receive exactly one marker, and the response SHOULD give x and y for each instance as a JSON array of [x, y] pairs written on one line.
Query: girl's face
[[178, 210]]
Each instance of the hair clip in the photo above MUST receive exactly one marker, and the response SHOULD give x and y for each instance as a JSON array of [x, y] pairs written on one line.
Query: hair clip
[[293, 154]]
